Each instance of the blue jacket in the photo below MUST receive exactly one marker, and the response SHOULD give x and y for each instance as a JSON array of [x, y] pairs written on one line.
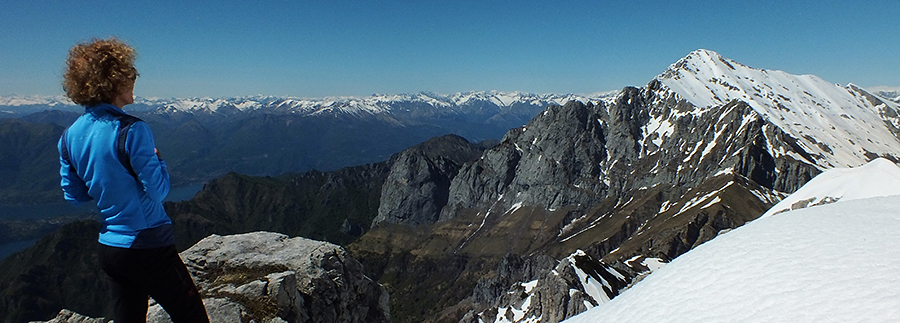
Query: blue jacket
[[131, 205]]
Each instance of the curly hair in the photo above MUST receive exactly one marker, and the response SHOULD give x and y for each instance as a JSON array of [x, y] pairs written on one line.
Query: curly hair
[[97, 71]]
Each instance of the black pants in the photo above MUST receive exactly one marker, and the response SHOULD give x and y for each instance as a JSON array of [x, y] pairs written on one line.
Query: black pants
[[136, 274]]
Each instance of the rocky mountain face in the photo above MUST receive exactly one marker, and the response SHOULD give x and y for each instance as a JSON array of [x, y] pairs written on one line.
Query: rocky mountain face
[[418, 184], [627, 182], [334, 206], [269, 277]]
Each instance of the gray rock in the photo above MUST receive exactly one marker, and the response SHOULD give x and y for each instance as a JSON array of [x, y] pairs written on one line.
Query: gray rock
[[67, 316], [417, 187], [218, 309], [270, 275], [557, 292]]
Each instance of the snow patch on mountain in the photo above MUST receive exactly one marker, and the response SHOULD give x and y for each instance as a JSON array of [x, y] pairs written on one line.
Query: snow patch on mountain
[[838, 126], [830, 263]]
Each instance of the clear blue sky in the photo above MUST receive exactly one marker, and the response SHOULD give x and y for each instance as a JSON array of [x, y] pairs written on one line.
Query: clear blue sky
[[357, 48]]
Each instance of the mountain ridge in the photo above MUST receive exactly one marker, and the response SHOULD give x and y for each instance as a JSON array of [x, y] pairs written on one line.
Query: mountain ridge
[[376, 103], [644, 182], [706, 78]]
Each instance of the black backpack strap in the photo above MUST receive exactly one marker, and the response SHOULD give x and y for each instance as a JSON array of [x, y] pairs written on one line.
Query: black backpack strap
[[125, 122], [64, 153]]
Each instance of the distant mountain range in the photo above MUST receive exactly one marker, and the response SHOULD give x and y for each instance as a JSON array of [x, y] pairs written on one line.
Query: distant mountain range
[[266, 136], [565, 212], [461, 102], [890, 93]]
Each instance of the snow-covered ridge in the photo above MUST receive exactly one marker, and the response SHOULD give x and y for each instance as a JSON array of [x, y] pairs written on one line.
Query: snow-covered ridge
[[377, 103], [20, 100], [879, 177], [804, 106]]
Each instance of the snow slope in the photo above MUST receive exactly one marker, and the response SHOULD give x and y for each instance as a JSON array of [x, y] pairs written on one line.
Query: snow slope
[[837, 126], [879, 177], [828, 263]]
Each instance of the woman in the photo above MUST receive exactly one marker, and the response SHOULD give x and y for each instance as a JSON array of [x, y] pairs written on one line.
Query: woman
[[109, 156]]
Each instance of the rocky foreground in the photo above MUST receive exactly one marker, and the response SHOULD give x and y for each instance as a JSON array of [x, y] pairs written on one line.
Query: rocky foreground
[[270, 277]]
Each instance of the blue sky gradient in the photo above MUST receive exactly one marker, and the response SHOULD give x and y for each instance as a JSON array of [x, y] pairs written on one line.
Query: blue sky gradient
[[357, 48]]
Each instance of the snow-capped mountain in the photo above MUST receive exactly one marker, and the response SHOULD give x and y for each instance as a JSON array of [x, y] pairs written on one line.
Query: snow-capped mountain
[[21, 100], [656, 171], [207, 137], [377, 103], [826, 263], [806, 107]]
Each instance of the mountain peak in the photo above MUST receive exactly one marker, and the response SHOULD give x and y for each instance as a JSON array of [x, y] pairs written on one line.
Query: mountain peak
[[804, 106], [699, 61]]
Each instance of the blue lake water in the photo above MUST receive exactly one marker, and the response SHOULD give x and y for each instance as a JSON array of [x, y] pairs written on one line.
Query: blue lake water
[[42, 211]]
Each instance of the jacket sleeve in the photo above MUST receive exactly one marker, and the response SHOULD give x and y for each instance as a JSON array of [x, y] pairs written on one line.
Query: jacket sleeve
[[74, 189], [151, 171]]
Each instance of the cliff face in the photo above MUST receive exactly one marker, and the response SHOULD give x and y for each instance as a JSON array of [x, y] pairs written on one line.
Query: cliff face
[[418, 184]]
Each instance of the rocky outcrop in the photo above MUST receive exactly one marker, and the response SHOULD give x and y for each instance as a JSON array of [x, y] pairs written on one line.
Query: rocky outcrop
[[547, 293], [417, 187], [264, 275], [269, 277], [67, 316]]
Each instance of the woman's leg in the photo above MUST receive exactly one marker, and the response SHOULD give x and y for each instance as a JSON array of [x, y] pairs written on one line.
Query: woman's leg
[[129, 300], [157, 272], [175, 290]]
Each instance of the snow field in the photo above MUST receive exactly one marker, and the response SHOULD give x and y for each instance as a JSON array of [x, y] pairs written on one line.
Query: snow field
[[829, 263]]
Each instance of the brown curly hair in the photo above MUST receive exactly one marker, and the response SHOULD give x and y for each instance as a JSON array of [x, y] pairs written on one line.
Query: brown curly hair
[[97, 71]]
